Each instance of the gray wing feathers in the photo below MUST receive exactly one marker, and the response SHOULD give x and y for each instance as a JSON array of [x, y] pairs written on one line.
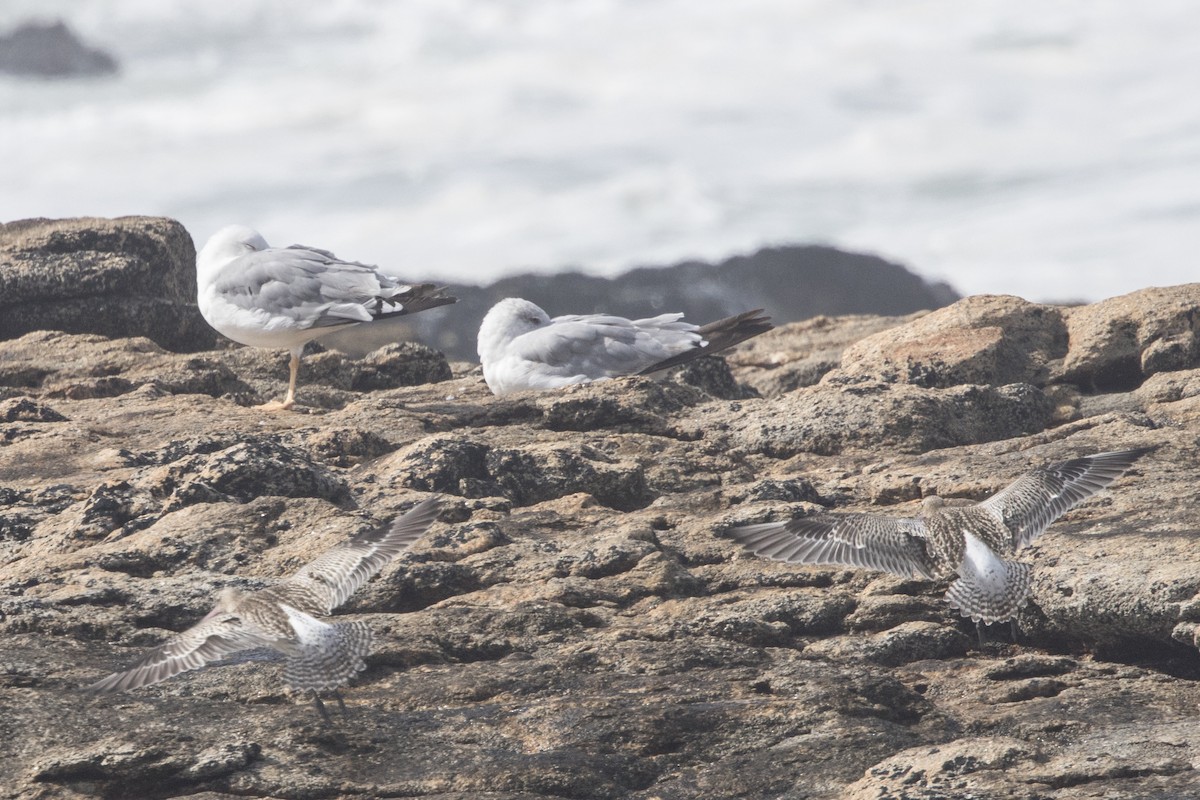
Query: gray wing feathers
[[890, 544], [199, 646], [1028, 505], [314, 289], [601, 346], [330, 578]]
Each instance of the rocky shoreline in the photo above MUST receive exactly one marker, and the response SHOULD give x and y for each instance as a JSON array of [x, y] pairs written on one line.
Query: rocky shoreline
[[576, 625]]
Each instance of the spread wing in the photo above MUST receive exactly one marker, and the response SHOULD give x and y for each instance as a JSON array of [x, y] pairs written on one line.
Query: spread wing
[[329, 579], [1028, 505], [213, 639], [602, 346], [890, 544], [302, 287]]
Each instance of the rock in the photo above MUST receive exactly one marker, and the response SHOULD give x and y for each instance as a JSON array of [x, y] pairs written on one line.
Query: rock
[[985, 339], [902, 644], [133, 276], [1118, 343], [577, 623], [971, 767], [22, 409], [51, 50], [800, 353], [828, 419]]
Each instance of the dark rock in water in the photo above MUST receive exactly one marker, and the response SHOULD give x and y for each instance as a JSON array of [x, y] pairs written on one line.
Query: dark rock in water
[[133, 276], [51, 50], [791, 283]]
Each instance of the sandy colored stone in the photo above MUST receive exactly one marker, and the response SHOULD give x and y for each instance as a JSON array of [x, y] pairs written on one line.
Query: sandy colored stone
[[1120, 342], [983, 339]]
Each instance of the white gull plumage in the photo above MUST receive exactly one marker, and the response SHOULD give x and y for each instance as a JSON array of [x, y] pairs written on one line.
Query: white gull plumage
[[521, 347], [283, 622], [266, 296]]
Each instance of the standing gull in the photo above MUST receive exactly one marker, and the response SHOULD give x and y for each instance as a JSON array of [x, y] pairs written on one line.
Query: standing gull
[[282, 621], [971, 542], [522, 347], [284, 296]]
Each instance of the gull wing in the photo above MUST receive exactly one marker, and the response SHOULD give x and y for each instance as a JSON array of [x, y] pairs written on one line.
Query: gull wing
[[211, 640], [329, 579], [1028, 505], [303, 287], [603, 346], [889, 544]]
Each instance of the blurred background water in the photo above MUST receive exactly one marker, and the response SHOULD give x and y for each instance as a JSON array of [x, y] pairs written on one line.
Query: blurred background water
[[1050, 150]]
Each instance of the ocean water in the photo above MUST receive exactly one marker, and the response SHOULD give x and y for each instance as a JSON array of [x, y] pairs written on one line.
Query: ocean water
[[1049, 150]]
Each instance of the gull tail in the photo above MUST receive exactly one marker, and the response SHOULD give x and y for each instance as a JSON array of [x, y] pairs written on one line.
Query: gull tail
[[986, 599], [332, 660], [718, 336], [413, 298]]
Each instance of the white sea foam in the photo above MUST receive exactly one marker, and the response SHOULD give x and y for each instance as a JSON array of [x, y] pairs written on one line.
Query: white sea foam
[[1004, 145]]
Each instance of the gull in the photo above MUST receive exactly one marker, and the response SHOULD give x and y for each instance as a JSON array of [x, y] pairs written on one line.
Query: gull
[[266, 296], [521, 347], [971, 543], [283, 622]]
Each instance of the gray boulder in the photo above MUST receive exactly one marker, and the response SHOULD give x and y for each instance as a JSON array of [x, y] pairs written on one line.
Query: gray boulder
[[51, 50], [133, 276]]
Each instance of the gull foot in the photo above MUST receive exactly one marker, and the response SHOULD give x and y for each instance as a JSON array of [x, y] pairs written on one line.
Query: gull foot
[[276, 405]]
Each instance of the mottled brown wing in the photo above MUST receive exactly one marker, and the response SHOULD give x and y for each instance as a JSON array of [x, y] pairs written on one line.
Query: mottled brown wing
[[329, 579], [210, 641], [1028, 505], [890, 544]]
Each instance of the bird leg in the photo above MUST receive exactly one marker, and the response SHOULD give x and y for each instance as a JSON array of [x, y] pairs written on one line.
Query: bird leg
[[290, 399], [321, 707], [979, 632], [1015, 629], [341, 703]]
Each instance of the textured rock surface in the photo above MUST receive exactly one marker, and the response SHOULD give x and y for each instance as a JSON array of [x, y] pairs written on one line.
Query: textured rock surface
[[133, 276], [576, 624]]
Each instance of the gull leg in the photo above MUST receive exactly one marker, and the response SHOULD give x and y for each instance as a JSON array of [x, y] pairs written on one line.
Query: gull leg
[[979, 633], [289, 400], [341, 702], [1015, 630], [321, 707]]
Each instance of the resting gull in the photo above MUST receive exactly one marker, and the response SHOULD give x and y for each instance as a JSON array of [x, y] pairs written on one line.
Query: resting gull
[[282, 622], [521, 347], [971, 542], [285, 296]]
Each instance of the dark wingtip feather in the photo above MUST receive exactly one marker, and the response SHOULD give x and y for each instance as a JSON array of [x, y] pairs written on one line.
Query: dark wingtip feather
[[720, 335]]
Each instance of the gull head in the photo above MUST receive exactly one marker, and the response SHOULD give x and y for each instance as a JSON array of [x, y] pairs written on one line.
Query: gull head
[[232, 241], [507, 320]]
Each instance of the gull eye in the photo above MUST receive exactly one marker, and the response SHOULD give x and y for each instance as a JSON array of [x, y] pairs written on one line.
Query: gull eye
[[532, 319]]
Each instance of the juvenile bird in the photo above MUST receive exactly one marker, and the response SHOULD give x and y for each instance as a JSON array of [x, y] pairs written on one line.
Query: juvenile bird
[[972, 542], [283, 622]]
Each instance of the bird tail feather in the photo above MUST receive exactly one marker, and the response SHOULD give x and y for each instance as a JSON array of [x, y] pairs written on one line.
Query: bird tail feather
[[719, 335], [991, 601], [332, 662]]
